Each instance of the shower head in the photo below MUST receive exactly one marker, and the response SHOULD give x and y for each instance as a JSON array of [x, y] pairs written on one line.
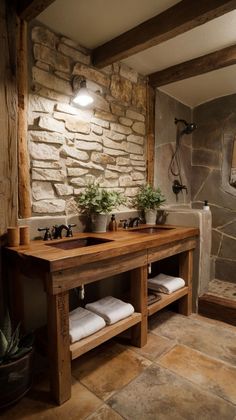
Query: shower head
[[189, 127]]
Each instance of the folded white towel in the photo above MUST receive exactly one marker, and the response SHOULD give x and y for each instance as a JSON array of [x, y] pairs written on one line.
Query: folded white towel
[[83, 323], [165, 284], [111, 309]]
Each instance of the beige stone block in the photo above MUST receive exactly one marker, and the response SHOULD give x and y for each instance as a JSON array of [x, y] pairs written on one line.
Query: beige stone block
[[121, 129], [134, 148], [105, 116], [65, 108], [50, 124], [128, 73], [125, 121], [73, 153], [78, 182], [139, 127], [88, 137], [42, 65], [122, 161], [137, 176], [42, 174], [140, 162], [121, 169], [117, 110], [140, 168], [39, 104], [131, 192], [63, 189], [102, 158], [114, 152], [110, 174], [49, 206], [114, 136], [62, 75], [45, 164], [114, 145], [121, 88], [43, 151], [139, 96], [96, 129], [91, 74], [42, 190], [101, 103], [51, 94], [91, 165], [109, 183], [46, 137], [74, 54], [135, 139], [84, 145], [100, 122], [126, 181], [53, 58], [44, 36], [50, 81], [135, 115], [76, 171]]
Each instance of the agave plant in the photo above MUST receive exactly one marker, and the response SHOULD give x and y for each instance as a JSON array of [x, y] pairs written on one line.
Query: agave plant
[[12, 346]]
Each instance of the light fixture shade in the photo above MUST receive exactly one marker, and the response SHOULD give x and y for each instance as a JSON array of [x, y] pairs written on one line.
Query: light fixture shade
[[82, 96]]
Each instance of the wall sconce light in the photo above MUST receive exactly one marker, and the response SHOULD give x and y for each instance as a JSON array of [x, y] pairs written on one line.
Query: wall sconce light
[[82, 96]]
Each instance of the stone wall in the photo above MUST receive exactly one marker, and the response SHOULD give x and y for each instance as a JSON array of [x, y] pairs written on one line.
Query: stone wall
[[70, 146], [212, 155], [167, 109]]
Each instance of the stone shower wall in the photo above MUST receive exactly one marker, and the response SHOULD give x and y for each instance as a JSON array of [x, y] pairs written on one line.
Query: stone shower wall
[[167, 108], [212, 158], [70, 146]]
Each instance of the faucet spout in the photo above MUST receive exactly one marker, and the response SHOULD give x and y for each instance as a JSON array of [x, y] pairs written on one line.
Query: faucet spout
[[58, 231]]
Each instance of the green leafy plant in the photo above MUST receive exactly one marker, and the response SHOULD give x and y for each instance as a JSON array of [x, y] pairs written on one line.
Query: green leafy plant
[[148, 198], [12, 346], [98, 200]]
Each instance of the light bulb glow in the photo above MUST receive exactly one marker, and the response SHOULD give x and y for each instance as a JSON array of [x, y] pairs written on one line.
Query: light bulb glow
[[83, 97]]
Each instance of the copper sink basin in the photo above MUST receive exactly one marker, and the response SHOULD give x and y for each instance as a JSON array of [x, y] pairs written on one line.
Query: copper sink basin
[[79, 243], [152, 229]]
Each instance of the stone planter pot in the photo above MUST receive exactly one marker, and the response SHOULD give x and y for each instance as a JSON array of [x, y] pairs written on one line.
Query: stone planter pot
[[150, 216], [99, 222], [15, 379]]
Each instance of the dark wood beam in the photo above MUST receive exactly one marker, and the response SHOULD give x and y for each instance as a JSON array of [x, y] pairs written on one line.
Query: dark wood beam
[[176, 20], [204, 64], [30, 9], [150, 151]]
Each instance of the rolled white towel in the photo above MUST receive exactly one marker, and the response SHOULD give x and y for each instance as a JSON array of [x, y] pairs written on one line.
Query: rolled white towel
[[166, 284], [111, 309], [83, 323]]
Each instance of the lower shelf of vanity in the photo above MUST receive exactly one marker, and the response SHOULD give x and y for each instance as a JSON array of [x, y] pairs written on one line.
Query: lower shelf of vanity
[[166, 300], [88, 343]]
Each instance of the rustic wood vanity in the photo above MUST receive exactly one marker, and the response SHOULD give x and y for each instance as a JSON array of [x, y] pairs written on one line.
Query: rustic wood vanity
[[88, 257]]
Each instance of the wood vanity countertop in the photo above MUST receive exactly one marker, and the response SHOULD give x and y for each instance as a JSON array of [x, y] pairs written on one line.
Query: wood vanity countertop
[[48, 258]]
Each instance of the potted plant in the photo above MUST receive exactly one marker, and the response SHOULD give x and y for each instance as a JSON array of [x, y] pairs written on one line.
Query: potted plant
[[148, 200], [15, 363], [97, 203]]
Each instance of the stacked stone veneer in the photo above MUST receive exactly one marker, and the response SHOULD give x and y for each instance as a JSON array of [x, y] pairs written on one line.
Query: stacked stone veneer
[[212, 159], [70, 146]]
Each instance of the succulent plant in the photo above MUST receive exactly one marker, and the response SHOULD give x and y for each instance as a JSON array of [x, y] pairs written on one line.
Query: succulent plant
[[12, 346]]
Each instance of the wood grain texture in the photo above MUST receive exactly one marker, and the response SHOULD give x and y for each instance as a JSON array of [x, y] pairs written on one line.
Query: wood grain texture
[[59, 347], [150, 134], [138, 294], [183, 16], [217, 307], [8, 118], [167, 300], [30, 9], [216, 60], [186, 273], [23, 159]]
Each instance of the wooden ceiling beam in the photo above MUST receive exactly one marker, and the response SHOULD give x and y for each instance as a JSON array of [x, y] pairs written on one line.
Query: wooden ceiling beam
[[30, 9], [183, 16], [209, 62]]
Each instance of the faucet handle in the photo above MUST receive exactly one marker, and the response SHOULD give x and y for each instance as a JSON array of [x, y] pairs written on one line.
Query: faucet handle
[[69, 231], [47, 235]]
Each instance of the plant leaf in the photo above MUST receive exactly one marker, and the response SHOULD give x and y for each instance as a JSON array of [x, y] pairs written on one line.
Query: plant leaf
[[3, 344]]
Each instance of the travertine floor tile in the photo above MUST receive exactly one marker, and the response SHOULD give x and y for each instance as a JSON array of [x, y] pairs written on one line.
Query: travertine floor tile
[[158, 394], [155, 347], [214, 375], [105, 413], [108, 368], [213, 340], [37, 405]]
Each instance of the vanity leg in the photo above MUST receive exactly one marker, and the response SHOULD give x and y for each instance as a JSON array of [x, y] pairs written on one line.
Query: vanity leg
[[139, 301], [186, 272], [59, 347]]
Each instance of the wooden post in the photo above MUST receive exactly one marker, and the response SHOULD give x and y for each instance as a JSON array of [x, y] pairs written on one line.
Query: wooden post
[[186, 272], [23, 159], [59, 346], [139, 301], [150, 134]]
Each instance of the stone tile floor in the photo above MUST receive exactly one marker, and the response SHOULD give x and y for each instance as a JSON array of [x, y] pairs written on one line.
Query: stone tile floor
[[223, 289], [187, 370]]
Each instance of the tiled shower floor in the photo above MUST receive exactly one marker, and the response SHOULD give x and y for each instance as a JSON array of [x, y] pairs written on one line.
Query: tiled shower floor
[[223, 289]]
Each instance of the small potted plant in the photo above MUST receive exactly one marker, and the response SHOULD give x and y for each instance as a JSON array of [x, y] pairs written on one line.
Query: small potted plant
[[149, 200], [97, 203], [15, 363]]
